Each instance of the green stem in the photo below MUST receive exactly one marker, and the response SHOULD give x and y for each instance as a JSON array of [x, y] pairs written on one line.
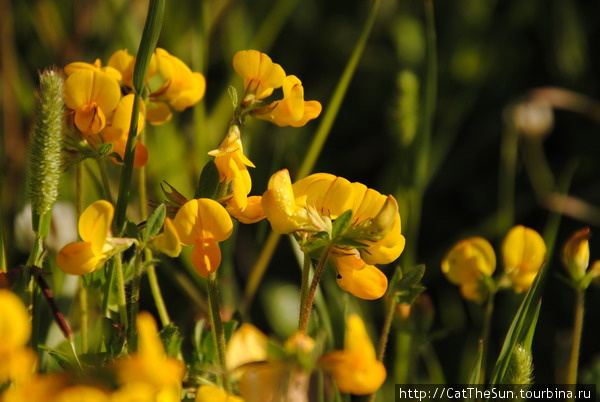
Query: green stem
[[83, 317], [121, 299], [305, 312], [3, 267], [577, 330], [217, 327], [135, 301], [385, 332], [156, 293], [304, 286], [147, 44], [485, 335], [104, 178]]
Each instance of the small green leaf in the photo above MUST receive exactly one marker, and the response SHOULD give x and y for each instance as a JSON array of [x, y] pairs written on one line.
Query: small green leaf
[[171, 339], [233, 95], [209, 181], [351, 243], [105, 149], [131, 230], [341, 224], [406, 284], [155, 221]]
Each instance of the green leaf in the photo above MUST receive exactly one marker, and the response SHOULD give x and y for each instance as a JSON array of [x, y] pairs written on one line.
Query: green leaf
[[351, 243], [131, 230], [233, 95], [476, 370], [406, 285], [528, 340], [341, 224], [209, 181], [61, 359], [155, 221], [171, 339]]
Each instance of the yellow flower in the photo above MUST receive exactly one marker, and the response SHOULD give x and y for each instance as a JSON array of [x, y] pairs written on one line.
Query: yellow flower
[[247, 345], [261, 76], [524, 253], [467, 264], [86, 256], [168, 241], [310, 205], [82, 393], [150, 365], [233, 168], [210, 393], [92, 95], [182, 87], [355, 369], [292, 110], [202, 223], [95, 66], [16, 361], [576, 253]]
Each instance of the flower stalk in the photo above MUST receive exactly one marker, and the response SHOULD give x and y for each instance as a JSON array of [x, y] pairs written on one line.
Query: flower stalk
[[577, 331], [305, 311], [218, 332]]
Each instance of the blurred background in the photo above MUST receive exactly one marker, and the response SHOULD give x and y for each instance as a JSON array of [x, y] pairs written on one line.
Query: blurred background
[[496, 154]]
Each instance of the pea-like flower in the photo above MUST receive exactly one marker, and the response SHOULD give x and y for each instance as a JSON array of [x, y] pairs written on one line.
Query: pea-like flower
[[311, 205], [523, 253], [92, 95], [203, 223], [233, 171], [97, 245], [292, 110], [150, 367], [355, 369], [468, 263], [261, 76], [16, 360]]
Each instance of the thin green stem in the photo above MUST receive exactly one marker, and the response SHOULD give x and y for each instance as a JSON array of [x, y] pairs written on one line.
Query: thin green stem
[[217, 327], [305, 312], [485, 335], [3, 267], [134, 303], [577, 330], [306, 266], [156, 293], [121, 299], [385, 333], [83, 315], [104, 178], [150, 35]]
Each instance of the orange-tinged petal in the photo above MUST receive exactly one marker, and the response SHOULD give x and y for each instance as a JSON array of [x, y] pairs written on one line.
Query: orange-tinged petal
[[15, 325], [206, 256], [279, 205], [362, 280], [356, 369], [79, 258], [251, 214], [168, 241], [90, 120], [140, 156], [158, 113], [202, 219], [259, 72], [94, 224]]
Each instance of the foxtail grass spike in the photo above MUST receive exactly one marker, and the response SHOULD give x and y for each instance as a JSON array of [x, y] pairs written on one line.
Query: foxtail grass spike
[[520, 369], [45, 156]]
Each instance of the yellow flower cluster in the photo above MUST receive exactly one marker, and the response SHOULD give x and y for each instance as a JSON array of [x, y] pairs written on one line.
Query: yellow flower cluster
[[101, 114], [471, 262], [264, 378], [310, 206]]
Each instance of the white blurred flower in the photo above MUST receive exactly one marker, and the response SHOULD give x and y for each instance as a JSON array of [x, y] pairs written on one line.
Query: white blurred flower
[[63, 229]]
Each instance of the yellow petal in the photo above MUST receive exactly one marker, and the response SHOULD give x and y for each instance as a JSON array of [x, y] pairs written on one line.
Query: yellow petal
[[202, 219], [279, 205], [158, 113], [94, 224], [82, 393], [362, 280], [79, 258], [259, 72], [121, 120], [523, 253], [140, 156], [123, 62], [210, 393], [168, 241], [206, 256], [190, 94], [90, 120], [387, 249], [149, 343], [355, 369], [469, 258], [15, 325], [251, 214], [247, 345], [576, 253]]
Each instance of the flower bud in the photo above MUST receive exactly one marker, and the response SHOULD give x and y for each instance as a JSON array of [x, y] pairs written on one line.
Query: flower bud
[[44, 168], [576, 253]]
